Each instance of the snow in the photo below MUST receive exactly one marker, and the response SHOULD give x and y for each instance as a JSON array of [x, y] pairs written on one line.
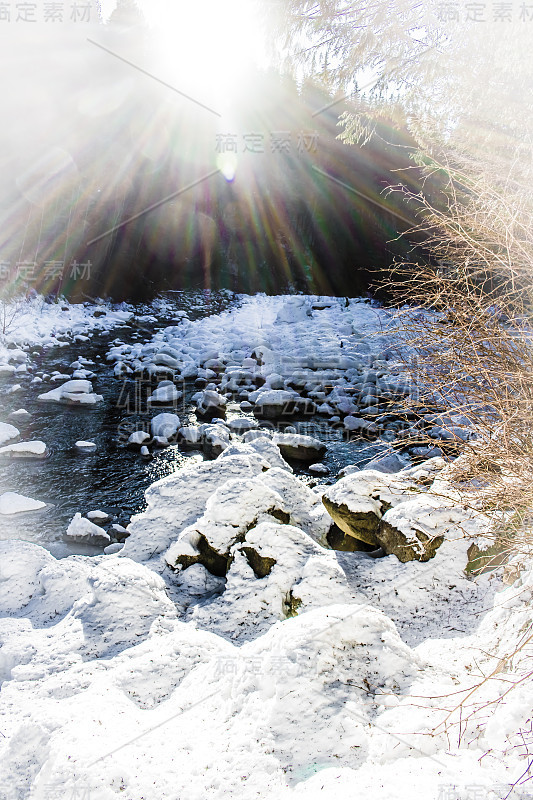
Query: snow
[[36, 322], [225, 651], [13, 503]]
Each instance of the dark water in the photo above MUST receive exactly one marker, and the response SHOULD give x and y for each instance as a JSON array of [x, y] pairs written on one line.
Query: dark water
[[113, 478]]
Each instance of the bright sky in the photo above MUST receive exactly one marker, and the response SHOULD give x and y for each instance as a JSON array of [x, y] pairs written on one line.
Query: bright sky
[[205, 48]]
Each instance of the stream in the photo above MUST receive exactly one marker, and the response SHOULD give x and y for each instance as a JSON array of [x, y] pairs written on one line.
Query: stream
[[113, 478]]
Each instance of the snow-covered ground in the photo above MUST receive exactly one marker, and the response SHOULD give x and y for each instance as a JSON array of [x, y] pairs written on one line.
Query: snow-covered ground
[[38, 323], [226, 651]]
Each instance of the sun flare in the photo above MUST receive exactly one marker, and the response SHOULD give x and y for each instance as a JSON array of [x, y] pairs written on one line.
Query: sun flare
[[207, 49]]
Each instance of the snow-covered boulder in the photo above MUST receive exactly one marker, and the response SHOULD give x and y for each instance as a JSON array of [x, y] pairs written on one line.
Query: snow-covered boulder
[[179, 500], [13, 503], [165, 425], [241, 425], [210, 403], [261, 446], [240, 505], [137, 439], [98, 516], [415, 529], [165, 394], [215, 439], [298, 447], [357, 502], [35, 449], [85, 447], [87, 532], [279, 403], [190, 436], [362, 426], [7, 432], [75, 392]]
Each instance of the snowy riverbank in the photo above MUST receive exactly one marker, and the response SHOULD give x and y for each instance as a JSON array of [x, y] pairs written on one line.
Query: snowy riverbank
[[226, 650]]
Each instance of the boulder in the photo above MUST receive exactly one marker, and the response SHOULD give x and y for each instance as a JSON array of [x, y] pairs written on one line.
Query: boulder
[[414, 530], [298, 447], [165, 425], [165, 394], [279, 403], [358, 502], [7, 432], [86, 532], [210, 403], [75, 392]]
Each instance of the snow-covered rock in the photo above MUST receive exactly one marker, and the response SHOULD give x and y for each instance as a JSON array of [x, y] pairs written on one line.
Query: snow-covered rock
[[34, 449], [165, 425], [8, 432], [165, 394], [138, 438], [85, 447], [84, 531], [241, 425], [298, 447], [210, 403], [98, 516], [13, 503], [74, 392], [357, 502]]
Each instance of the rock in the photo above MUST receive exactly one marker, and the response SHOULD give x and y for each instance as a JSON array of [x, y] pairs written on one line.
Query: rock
[[8, 432], [241, 425], [362, 426], [298, 447], [210, 403], [278, 403], [165, 425], [75, 392], [177, 501], [318, 469], [118, 531], [98, 516], [260, 446], [246, 406], [357, 502], [84, 531], [215, 439], [111, 549], [414, 530], [34, 449], [13, 503], [165, 394], [20, 414], [145, 452], [190, 436], [389, 463], [85, 447], [338, 540], [238, 507], [137, 439]]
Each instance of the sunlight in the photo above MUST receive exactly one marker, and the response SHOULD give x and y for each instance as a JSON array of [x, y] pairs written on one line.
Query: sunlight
[[207, 49]]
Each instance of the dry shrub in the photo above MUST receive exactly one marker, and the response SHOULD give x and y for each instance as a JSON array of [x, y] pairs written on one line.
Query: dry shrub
[[468, 347], [473, 354]]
